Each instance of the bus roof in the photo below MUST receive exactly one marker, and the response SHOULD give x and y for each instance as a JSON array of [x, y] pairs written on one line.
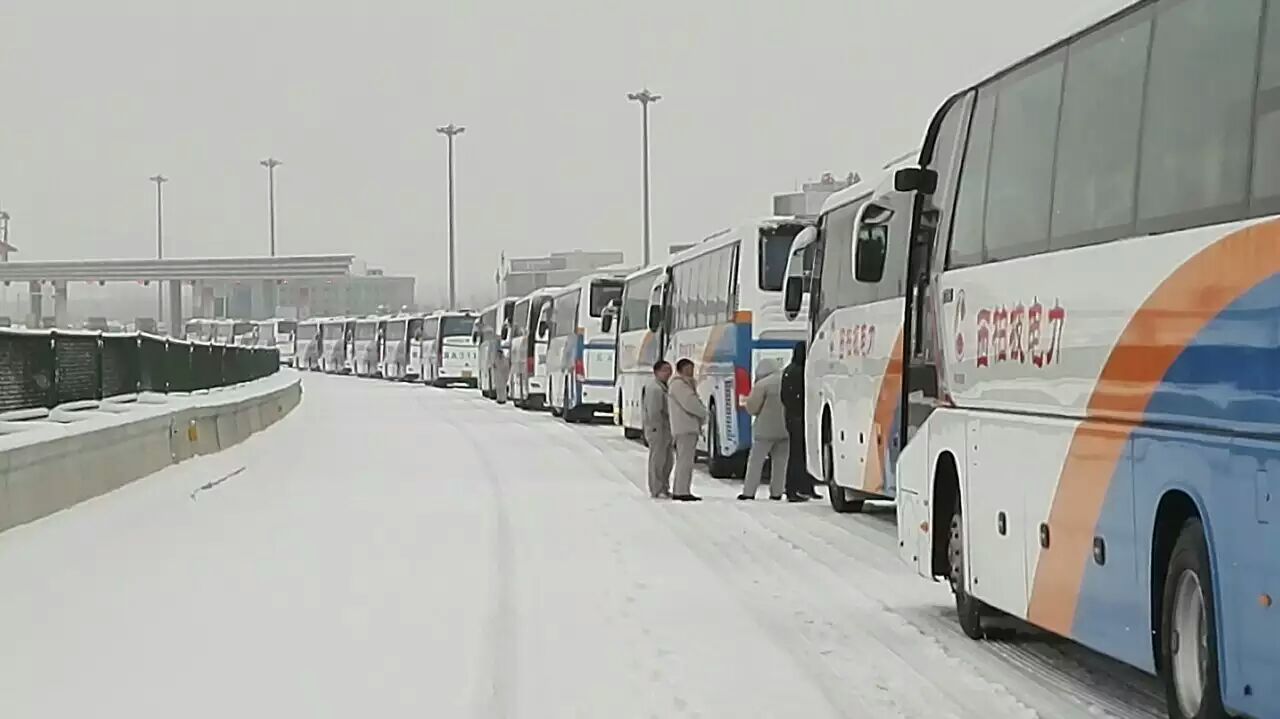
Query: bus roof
[[645, 271]]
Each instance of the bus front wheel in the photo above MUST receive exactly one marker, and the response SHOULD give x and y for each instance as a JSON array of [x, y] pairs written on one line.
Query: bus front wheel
[[835, 493], [1188, 630], [969, 609]]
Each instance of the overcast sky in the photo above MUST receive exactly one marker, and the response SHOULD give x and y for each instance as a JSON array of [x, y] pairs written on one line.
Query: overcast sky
[[756, 95]]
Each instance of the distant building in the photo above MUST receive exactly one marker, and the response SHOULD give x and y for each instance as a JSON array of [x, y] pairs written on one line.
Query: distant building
[[521, 275], [808, 200], [358, 294]]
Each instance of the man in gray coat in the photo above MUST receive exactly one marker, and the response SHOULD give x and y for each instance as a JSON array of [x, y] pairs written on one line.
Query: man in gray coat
[[769, 438], [501, 375], [687, 417], [657, 430]]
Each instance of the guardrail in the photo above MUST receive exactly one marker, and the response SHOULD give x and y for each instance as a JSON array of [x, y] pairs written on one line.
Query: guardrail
[[44, 369]]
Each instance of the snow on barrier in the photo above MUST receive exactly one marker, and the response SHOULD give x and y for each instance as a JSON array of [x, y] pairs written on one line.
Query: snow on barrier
[[53, 459]]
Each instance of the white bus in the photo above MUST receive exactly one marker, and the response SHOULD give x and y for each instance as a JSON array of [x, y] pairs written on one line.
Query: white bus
[[368, 346], [222, 332], [720, 305], [528, 337], [580, 353], [403, 348], [349, 345], [853, 376], [492, 334], [333, 359], [637, 348], [306, 352], [1091, 348], [449, 351], [278, 333], [198, 330]]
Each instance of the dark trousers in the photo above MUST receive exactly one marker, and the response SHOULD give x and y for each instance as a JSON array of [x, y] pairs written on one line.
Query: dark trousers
[[799, 481]]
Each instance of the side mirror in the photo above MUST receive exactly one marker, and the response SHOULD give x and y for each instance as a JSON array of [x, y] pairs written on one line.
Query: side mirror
[[606, 322], [916, 179], [804, 239], [655, 317], [792, 295], [542, 327], [506, 332], [870, 248]]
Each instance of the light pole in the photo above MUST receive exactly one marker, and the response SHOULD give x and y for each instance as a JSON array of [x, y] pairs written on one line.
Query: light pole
[[159, 180], [451, 131], [644, 97], [271, 164]]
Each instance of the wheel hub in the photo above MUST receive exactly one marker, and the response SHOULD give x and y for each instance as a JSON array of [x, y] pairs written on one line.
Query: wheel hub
[[1189, 643]]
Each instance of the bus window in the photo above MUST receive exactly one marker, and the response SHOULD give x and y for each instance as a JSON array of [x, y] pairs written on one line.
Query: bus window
[[602, 293], [395, 330], [456, 325], [775, 250]]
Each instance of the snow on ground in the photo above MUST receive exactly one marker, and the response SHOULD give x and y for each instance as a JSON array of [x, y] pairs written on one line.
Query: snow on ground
[[395, 551]]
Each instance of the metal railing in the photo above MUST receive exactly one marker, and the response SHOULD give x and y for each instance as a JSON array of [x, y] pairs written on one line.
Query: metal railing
[[43, 369]]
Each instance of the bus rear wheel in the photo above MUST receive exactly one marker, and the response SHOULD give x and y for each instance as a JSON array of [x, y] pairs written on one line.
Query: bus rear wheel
[[835, 493], [718, 465], [1188, 630], [969, 610]]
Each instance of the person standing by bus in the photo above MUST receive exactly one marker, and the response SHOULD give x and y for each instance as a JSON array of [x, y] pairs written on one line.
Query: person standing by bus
[[501, 372], [769, 441], [656, 421], [799, 482], [687, 417]]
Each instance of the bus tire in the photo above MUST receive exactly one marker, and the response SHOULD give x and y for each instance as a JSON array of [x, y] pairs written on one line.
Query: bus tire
[[570, 415], [835, 493], [969, 609], [630, 433], [718, 465], [1188, 630]]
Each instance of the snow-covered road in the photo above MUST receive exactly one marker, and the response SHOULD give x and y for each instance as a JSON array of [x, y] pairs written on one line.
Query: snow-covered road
[[397, 551]]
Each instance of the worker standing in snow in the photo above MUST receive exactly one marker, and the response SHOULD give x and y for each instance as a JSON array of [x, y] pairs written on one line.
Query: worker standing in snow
[[799, 482], [687, 417], [769, 441], [501, 371], [657, 430]]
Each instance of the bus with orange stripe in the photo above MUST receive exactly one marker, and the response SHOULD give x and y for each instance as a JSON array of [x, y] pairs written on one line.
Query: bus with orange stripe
[[1091, 348], [719, 303], [637, 348], [853, 374]]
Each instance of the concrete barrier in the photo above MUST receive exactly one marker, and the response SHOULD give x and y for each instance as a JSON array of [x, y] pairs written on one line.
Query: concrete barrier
[[50, 463]]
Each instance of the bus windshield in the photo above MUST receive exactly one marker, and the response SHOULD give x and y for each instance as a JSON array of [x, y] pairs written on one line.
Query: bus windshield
[[456, 325], [306, 332], [366, 330], [332, 332], [602, 293], [286, 327], [775, 250], [395, 330], [241, 328]]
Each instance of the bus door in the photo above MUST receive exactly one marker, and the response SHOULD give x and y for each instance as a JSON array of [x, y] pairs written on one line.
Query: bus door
[[415, 347], [927, 194]]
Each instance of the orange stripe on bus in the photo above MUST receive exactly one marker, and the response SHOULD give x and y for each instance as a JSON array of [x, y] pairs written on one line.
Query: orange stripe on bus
[[1170, 318], [882, 421]]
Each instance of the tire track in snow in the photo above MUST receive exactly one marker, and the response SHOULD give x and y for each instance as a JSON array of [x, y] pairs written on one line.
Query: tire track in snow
[[1055, 687], [493, 698]]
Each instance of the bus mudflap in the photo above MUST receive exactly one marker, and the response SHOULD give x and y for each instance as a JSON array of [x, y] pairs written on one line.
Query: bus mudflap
[[914, 520]]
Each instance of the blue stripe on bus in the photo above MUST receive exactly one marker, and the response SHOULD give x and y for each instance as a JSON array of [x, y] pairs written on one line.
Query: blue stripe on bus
[[597, 347], [596, 382]]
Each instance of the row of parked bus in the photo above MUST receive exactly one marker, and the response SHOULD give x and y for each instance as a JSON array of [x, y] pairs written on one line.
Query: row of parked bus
[[276, 332], [436, 349], [1049, 334]]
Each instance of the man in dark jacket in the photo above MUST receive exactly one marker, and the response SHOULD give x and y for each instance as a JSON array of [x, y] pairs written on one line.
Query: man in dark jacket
[[799, 482]]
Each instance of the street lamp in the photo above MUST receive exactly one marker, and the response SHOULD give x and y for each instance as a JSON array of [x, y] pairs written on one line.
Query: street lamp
[[159, 180], [271, 164], [644, 97], [450, 131]]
